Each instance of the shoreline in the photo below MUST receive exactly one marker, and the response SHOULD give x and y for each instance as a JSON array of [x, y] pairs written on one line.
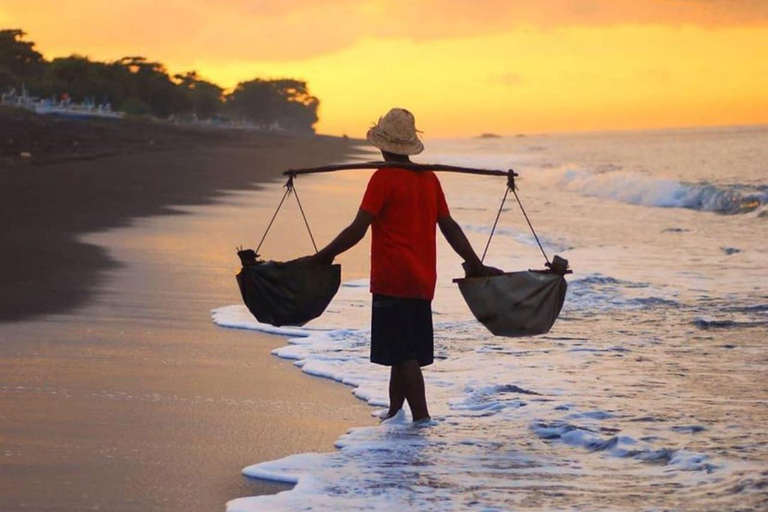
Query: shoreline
[[118, 390]]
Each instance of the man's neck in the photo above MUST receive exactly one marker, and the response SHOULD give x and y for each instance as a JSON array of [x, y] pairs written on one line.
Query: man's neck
[[393, 157]]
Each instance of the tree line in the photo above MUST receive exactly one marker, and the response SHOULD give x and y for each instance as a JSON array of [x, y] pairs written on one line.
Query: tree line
[[139, 86]]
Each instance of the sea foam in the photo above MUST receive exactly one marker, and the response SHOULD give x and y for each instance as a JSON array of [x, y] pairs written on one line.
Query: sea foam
[[484, 401]]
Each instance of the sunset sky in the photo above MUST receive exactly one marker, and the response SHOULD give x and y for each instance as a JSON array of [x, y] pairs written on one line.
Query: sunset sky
[[463, 67]]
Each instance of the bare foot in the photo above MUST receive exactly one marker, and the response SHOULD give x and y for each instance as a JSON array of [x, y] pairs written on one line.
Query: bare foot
[[389, 414]]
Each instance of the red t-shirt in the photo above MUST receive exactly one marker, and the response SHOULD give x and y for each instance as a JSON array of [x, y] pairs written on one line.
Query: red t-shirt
[[405, 206]]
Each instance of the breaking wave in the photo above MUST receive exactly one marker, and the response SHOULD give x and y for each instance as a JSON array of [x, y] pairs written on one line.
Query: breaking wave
[[635, 188]]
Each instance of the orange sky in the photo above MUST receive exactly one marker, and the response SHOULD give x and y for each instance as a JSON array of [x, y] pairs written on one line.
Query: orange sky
[[463, 67]]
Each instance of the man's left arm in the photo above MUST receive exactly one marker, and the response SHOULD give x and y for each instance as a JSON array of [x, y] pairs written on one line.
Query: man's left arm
[[459, 243]]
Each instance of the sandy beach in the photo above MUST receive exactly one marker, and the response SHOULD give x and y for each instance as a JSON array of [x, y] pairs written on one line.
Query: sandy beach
[[116, 390]]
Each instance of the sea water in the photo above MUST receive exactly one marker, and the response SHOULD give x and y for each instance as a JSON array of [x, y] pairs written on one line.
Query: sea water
[[649, 393]]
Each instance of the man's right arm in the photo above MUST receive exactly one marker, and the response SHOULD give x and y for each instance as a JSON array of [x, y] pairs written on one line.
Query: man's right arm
[[345, 240]]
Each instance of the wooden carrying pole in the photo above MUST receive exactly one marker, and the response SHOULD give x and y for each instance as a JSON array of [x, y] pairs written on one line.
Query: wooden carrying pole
[[400, 165]]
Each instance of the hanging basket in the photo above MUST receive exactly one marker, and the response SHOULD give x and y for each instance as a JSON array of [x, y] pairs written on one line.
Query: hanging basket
[[286, 293], [517, 303], [291, 293]]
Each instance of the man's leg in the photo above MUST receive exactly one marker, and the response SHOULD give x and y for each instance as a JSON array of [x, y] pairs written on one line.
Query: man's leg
[[415, 392], [396, 390], [406, 382]]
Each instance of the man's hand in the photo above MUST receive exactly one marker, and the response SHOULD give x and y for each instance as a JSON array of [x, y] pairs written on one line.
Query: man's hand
[[492, 271], [473, 267], [315, 259], [321, 258], [479, 270]]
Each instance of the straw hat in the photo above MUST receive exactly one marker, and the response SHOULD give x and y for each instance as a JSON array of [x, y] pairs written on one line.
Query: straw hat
[[396, 133]]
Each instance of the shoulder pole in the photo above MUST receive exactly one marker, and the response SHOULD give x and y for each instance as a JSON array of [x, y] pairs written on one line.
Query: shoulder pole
[[399, 165]]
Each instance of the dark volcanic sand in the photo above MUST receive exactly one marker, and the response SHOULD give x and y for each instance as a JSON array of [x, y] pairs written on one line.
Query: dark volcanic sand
[[65, 189], [116, 390]]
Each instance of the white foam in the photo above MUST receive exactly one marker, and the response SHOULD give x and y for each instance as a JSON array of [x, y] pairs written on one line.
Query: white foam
[[481, 401], [357, 283], [238, 317]]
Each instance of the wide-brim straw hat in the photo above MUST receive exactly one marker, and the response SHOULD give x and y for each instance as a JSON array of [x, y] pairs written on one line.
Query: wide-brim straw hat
[[396, 133]]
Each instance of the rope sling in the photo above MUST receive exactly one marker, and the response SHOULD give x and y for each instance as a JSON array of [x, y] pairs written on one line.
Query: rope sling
[[513, 304], [290, 188], [511, 185]]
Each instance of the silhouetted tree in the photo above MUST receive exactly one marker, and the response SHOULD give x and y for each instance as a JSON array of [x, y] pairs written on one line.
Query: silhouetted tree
[[19, 61], [150, 83], [7, 79], [206, 98], [135, 107], [285, 103], [82, 78], [140, 86]]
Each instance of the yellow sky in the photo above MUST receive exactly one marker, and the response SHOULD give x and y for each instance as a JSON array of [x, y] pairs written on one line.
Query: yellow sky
[[503, 66]]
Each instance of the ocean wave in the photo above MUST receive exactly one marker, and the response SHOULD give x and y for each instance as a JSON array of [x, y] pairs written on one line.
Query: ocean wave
[[707, 324], [635, 188], [731, 313], [599, 292], [754, 308], [622, 446]]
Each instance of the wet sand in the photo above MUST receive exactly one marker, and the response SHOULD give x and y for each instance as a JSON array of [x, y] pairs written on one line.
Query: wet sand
[[121, 170], [116, 390]]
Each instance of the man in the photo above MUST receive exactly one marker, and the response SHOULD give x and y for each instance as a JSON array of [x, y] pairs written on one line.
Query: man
[[403, 206]]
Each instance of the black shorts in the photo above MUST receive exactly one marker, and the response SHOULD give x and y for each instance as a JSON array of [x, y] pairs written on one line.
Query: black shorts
[[401, 330]]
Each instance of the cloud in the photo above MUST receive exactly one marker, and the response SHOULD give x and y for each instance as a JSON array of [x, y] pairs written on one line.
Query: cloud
[[188, 31]]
